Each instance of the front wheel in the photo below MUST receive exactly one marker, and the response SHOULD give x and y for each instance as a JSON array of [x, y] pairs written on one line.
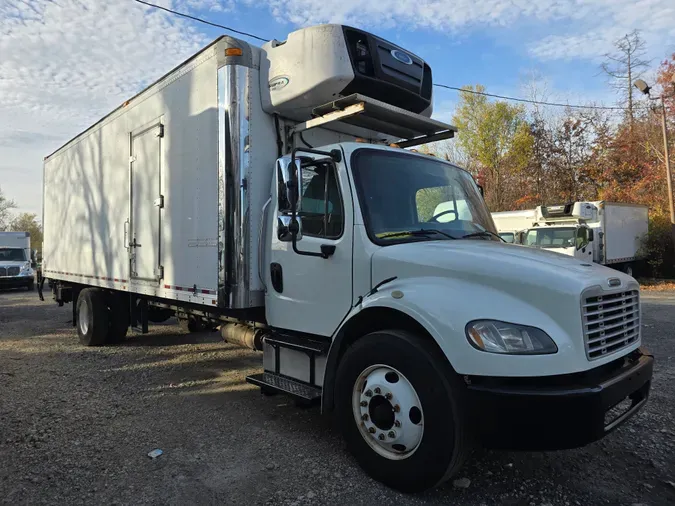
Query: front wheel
[[401, 411]]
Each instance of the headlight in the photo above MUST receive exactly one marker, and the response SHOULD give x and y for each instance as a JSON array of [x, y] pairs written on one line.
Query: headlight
[[26, 270], [500, 337]]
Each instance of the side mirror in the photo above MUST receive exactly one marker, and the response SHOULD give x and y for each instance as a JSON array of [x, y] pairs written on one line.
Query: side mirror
[[285, 230], [288, 193]]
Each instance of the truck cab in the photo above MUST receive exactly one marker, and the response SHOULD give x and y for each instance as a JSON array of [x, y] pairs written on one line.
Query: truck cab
[[17, 261]]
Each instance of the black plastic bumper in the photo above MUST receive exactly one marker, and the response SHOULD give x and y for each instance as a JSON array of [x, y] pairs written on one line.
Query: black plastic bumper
[[14, 281], [559, 412]]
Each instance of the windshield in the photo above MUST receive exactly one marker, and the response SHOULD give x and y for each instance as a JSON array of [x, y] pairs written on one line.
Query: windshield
[[12, 255], [551, 237], [400, 192]]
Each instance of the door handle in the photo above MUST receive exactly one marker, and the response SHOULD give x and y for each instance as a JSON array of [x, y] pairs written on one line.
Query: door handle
[[126, 234]]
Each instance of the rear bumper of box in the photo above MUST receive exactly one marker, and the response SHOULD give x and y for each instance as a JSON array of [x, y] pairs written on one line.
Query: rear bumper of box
[[559, 412]]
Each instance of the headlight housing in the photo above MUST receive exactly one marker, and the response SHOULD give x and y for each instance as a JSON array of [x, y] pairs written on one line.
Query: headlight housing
[[26, 270], [496, 336]]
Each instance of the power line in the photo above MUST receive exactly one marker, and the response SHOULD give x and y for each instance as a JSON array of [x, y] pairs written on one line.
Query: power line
[[439, 85], [515, 99], [194, 18]]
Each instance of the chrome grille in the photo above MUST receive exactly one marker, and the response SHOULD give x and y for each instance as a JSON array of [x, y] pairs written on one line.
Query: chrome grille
[[13, 271], [3, 272], [611, 322]]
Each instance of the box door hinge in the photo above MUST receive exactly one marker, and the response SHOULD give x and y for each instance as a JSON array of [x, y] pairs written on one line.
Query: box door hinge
[[132, 159], [159, 272], [160, 132], [159, 202]]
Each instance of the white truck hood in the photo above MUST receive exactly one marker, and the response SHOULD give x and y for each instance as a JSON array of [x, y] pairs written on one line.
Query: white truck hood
[[450, 283], [495, 263]]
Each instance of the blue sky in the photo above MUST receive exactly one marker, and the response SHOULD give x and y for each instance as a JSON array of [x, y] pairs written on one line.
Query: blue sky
[[65, 63]]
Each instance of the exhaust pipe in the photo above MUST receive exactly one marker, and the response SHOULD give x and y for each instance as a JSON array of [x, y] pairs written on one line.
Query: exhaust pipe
[[243, 335]]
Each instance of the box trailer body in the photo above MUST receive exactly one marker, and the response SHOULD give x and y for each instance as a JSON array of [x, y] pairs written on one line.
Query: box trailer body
[[268, 191], [509, 223], [16, 260], [624, 227]]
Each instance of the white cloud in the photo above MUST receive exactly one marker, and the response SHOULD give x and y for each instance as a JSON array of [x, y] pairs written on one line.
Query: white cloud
[[66, 64]]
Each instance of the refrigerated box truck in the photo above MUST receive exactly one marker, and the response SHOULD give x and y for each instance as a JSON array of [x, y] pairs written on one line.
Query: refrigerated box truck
[[268, 190], [608, 233], [17, 261]]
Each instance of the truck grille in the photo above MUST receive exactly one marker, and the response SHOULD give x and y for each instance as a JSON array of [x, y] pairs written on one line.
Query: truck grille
[[3, 272], [13, 271], [611, 322]]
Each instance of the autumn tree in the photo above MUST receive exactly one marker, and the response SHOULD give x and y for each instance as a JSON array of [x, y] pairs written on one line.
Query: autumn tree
[[27, 222], [623, 66], [6, 206], [496, 137]]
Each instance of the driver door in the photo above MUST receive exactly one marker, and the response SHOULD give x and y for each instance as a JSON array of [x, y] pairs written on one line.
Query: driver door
[[583, 244], [309, 293]]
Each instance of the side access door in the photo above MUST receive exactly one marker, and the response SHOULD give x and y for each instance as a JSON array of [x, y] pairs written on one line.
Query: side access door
[[146, 202], [305, 291]]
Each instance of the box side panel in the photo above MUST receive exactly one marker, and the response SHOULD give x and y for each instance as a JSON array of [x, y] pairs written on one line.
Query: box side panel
[[87, 197], [625, 226]]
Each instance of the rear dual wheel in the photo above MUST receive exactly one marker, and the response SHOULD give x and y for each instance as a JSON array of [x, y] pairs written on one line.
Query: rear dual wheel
[[401, 410], [102, 318]]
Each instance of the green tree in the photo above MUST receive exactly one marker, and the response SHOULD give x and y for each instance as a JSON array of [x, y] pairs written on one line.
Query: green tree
[[5, 206], [496, 136], [27, 222]]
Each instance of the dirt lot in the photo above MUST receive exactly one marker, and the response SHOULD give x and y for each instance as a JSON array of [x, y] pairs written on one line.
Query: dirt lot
[[76, 425]]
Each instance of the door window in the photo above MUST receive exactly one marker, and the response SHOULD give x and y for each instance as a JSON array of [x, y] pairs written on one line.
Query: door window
[[321, 205]]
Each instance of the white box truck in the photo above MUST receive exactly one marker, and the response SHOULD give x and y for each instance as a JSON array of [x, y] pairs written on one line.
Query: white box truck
[[257, 188], [608, 233], [510, 223], [17, 261]]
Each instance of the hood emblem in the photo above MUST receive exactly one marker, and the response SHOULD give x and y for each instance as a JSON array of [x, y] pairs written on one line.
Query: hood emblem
[[614, 282]]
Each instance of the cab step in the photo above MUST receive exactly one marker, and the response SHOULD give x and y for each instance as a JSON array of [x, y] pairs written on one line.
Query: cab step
[[271, 382]]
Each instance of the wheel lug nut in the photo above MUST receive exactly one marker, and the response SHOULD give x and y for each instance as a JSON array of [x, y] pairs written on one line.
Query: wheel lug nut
[[369, 393], [377, 390], [364, 417], [392, 434], [388, 396], [397, 408], [397, 423], [381, 437], [364, 404], [371, 430]]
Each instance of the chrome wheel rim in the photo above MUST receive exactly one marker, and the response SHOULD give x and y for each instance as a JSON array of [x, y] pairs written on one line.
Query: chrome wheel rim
[[83, 317], [388, 412]]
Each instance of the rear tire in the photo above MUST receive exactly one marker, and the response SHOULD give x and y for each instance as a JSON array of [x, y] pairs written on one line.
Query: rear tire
[[193, 325], [441, 448], [118, 315], [92, 317]]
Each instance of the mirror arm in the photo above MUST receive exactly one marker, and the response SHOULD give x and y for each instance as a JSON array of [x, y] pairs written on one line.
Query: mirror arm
[[326, 250]]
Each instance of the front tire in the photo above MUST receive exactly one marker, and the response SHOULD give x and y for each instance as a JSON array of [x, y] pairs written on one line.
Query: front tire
[[92, 317], [407, 428]]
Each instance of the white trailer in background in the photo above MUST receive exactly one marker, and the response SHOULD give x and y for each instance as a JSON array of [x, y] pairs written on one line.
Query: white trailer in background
[[17, 261], [510, 223], [232, 192]]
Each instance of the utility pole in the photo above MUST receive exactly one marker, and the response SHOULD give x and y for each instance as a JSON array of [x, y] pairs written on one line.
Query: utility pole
[[645, 88]]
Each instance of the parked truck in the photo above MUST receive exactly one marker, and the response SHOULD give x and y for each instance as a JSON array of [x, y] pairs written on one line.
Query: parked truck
[[608, 233], [17, 261], [510, 224], [268, 190]]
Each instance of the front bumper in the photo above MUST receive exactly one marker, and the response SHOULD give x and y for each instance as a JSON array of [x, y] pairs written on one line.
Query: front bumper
[[559, 412], [13, 281]]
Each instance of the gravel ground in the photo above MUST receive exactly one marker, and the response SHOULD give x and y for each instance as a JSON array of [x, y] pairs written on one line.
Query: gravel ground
[[76, 425]]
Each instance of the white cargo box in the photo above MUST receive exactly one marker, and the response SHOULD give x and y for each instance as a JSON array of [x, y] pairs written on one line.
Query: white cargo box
[[625, 226]]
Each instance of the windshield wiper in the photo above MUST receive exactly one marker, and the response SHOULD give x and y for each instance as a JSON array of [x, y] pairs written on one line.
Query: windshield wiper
[[483, 233], [424, 232]]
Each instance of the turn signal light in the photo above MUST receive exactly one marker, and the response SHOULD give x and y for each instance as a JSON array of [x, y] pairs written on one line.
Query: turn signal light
[[233, 51]]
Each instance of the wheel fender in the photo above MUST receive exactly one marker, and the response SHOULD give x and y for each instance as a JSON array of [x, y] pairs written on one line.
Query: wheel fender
[[443, 307]]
